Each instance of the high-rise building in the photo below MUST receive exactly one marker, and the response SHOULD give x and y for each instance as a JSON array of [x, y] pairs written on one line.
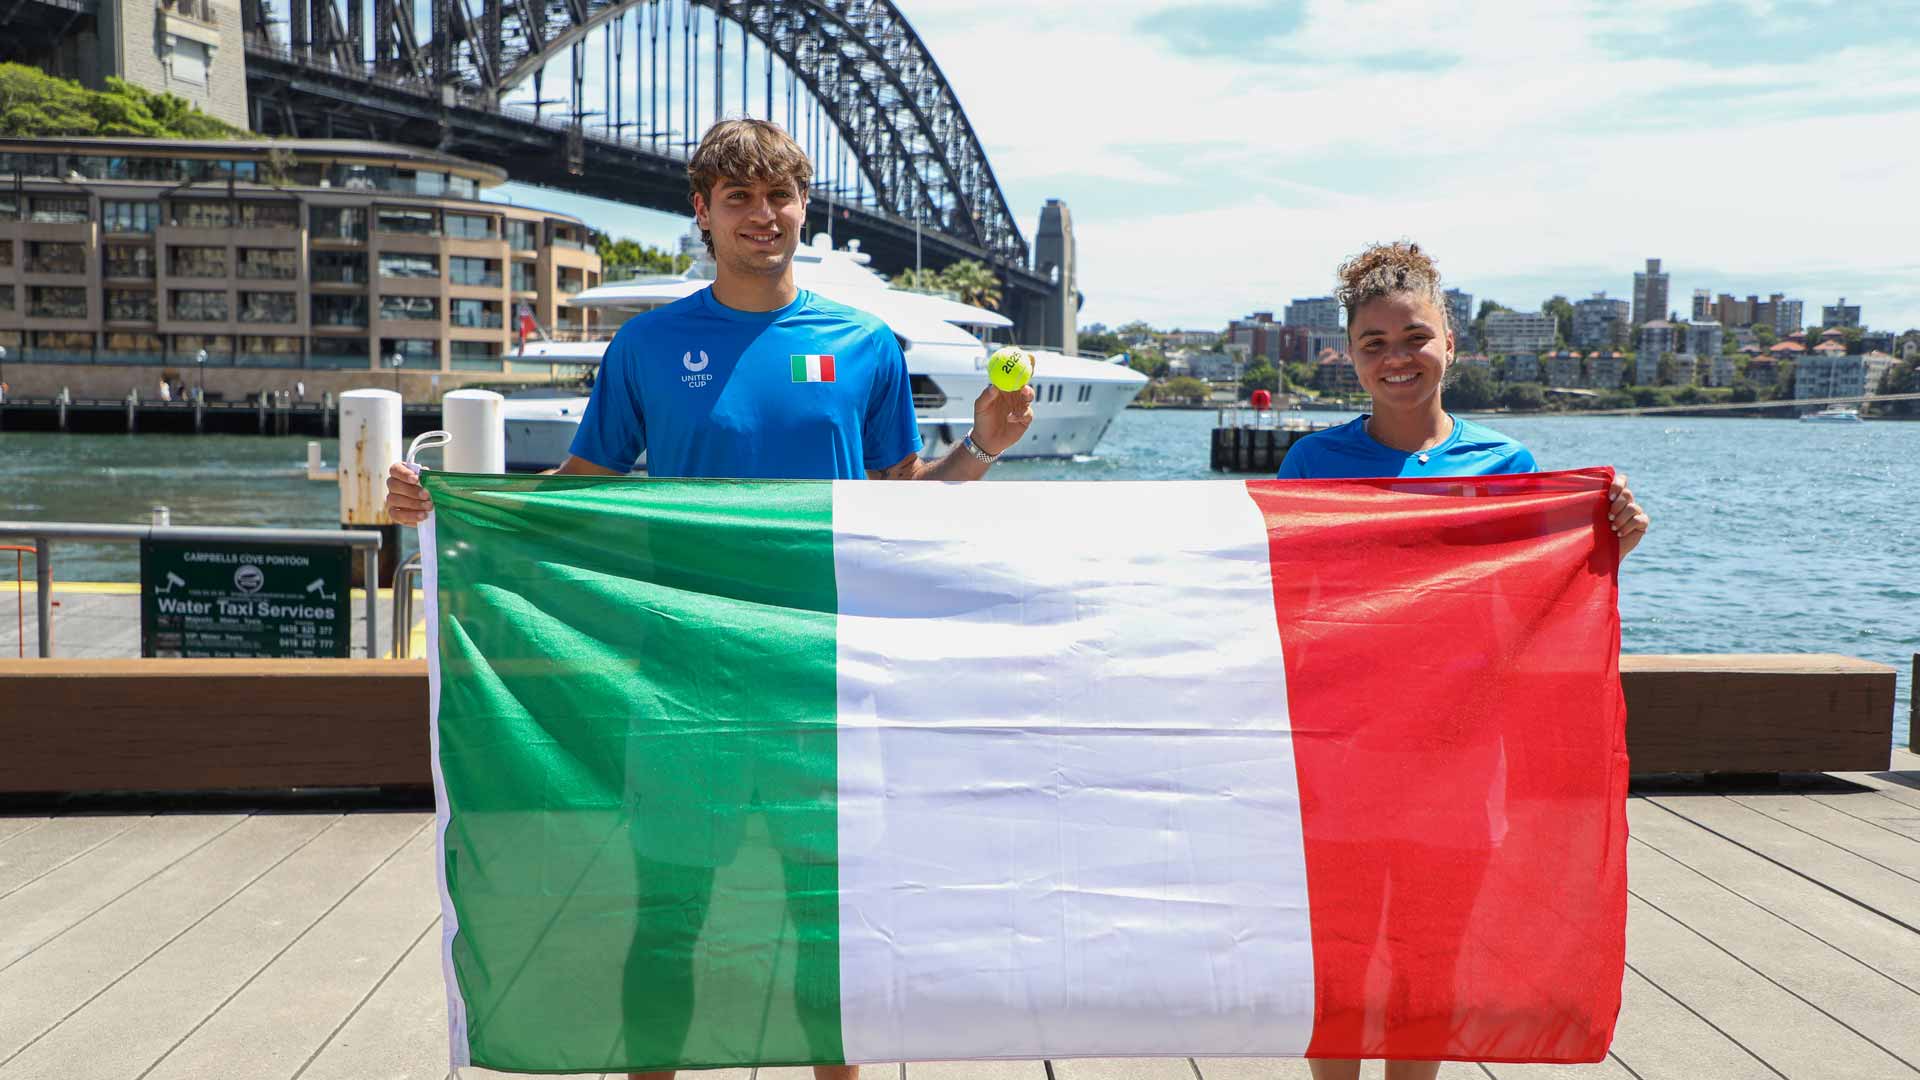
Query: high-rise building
[[1459, 313], [1316, 312], [1600, 323], [1840, 314], [1733, 313], [1510, 333], [1788, 316], [1658, 338], [1649, 294], [1702, 304], [1705, 337], [1260, 336]]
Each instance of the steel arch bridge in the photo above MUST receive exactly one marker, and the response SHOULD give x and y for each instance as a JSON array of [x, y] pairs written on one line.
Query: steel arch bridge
[[897, 159]]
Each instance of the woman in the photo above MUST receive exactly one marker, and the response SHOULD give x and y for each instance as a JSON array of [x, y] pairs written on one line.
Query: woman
[[1403, 348]]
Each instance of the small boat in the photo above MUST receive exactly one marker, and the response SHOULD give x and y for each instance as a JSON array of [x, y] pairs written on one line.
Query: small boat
[[1834, 414]]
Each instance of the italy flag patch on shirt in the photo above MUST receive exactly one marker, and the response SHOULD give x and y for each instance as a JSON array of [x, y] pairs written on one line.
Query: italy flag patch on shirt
[[813, 367]]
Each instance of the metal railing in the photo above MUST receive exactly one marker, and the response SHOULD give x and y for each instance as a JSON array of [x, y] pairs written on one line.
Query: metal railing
[[44, 533], [20, 554], [403, 580]]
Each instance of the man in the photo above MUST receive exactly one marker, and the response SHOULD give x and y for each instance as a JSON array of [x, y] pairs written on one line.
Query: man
[[752, 378]]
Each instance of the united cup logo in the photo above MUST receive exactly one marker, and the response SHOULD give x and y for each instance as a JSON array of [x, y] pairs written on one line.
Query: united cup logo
[[696, 369]]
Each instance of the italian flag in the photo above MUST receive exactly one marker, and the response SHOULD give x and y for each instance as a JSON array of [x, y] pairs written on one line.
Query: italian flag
[[813, 367], [754, 773]]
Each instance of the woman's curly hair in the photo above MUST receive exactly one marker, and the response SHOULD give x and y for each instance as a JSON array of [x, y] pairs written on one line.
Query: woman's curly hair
[[1384, 269]]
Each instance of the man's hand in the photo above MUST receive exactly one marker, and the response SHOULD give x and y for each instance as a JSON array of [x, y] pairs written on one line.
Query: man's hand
[[1629, 521], [407, 501], [1001, 418]]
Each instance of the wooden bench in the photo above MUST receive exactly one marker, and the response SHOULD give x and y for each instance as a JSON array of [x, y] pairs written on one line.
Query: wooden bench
[[200, 725]]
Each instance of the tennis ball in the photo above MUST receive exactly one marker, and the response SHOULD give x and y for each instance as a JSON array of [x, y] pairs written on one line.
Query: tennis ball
[[1010, 368]]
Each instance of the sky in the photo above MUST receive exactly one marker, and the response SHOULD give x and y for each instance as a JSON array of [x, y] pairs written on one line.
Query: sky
[[1223, 158]]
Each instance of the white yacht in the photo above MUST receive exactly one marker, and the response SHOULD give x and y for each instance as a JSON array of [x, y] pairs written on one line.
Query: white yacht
[[1834, 414], [945, 343]]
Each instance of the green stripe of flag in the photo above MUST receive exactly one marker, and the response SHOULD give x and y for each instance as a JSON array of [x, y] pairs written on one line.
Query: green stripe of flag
[[586, 759]]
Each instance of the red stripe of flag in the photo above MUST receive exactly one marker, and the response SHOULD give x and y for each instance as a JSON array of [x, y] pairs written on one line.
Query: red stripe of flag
[[1459, 732], [826, 369]]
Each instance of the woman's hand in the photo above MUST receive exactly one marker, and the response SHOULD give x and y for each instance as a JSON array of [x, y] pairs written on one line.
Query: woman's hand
[[1629, 521]]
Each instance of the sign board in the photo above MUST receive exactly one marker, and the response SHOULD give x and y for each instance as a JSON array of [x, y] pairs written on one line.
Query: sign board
[[222, 599]]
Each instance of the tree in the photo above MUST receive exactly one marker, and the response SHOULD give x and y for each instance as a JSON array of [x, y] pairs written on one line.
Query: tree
[[1471, 388], [1259, 375], [1299, 376], [1099, 342], [1744, 391], [1764, 334], [1901, 378], [627, 257], [33, 103], [926, 280], [1136, 328], [1562, 313], [1524, 397], [1668, 370], [1148, 361], [973, 282], [1184, 388]]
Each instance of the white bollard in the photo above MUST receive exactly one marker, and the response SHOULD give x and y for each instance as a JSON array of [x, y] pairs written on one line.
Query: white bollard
[[369, 444], [476, 420]]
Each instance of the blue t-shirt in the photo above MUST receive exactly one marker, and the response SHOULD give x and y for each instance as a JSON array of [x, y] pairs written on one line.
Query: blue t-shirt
[[1347, 452], [813, 391]]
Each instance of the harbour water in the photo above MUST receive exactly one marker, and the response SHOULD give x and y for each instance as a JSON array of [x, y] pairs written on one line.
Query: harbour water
[[1769, 535]]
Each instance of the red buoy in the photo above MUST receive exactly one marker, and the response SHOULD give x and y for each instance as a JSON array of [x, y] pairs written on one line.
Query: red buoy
[[1262, 400]]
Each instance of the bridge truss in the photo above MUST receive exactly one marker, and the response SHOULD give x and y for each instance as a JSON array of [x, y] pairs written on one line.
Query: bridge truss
[[634, 84]]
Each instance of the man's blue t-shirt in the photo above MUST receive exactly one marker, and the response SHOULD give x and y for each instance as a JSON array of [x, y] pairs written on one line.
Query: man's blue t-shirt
[[813, 391], [1347, 452]]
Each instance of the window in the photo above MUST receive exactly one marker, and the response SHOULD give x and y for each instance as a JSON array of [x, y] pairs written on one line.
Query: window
[[268, 263], [9, 204], [129, 217], [339, 310], [197, 262], [56, 302], [6, 253], [6, 298], [340, 267], [413, 352], [570, 281], [409, 307], [339, 352], [476, 313], [475, 356], [130, 305], [50, 258], [187, 346], [199, 305], [63, 341], [269, 351], [410, 266], [471, 227], [129, 261], [524, 277], [339, 223], [60, 209], [201, 214], [468, 271], [268, 307], [523, 236], [267, 215], [142, 345], [463, 187], [409, 222], [187, 60]]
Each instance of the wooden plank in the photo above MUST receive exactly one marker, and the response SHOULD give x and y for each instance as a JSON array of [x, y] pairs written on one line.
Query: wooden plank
[[12, 827], [52, 903], [400, 1031], [1780, 1029], [1883, 946], [134, 1022], [1873, 886], [186, 725], [1844, 830], [60, 976], [1877, 1008], [34, 854], [1658, 1038], [1757, 713], [280, 1017]]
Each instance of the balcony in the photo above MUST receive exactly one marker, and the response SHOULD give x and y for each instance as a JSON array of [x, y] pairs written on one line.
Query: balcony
[[200, 11], [340, 275], [486, 281], [141, 269], [57, 309], [577, 245], [56, 264], [486, 320]]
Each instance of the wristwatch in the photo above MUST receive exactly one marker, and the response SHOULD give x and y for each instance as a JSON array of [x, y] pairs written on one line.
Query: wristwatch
[[978, 454]]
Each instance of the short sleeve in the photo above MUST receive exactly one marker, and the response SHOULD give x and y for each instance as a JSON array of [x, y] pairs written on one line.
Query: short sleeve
[[889, 429], [1294, 465], [1521, 461], [613, 431]]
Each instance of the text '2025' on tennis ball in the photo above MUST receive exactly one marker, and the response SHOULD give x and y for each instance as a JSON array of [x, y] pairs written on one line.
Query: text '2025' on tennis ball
[[1010, 368]]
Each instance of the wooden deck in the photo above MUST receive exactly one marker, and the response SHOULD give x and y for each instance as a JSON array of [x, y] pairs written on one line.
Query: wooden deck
[[1772, 934]]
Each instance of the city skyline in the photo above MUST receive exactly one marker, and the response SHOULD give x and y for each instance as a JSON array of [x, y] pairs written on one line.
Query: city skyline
[[1240, 151]]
